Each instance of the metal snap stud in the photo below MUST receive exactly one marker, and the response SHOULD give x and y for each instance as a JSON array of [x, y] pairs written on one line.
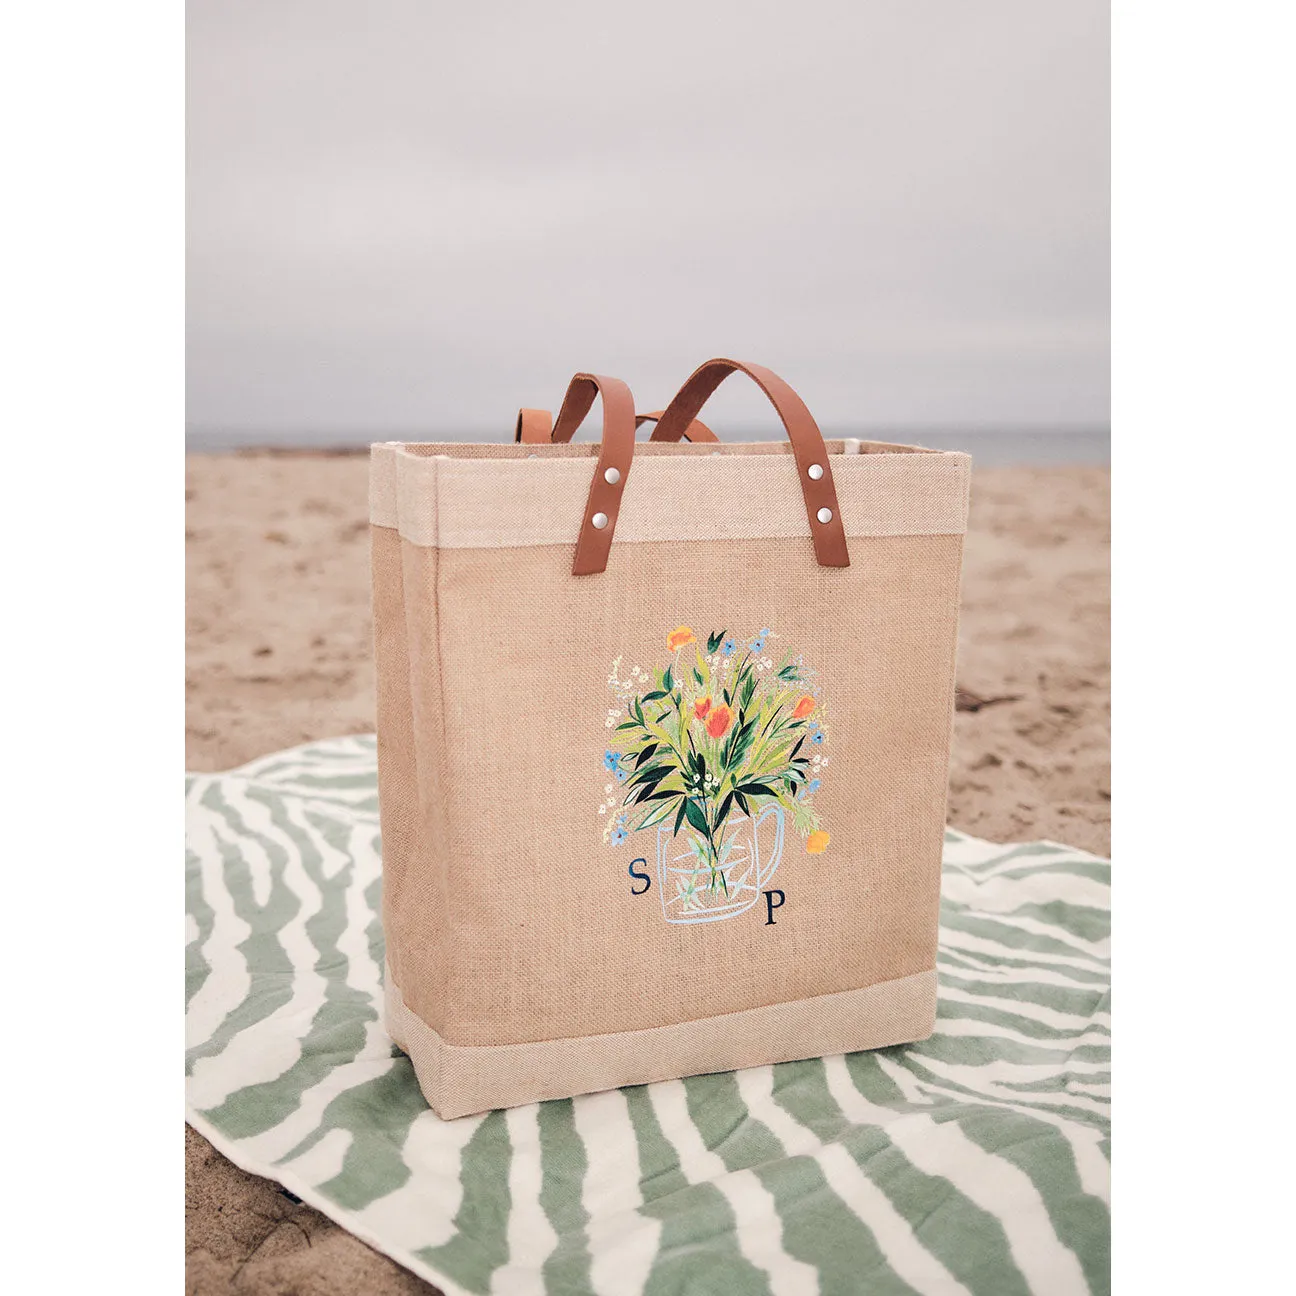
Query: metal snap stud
[[824, 515], [814, 472], [612, 476], [600, 520]]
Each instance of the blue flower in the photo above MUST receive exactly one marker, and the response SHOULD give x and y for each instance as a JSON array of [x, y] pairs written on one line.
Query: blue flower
[[813, 725], [817, 740], [729, 647], [758, 644], [612, 762], [814, 786], [619, 835]]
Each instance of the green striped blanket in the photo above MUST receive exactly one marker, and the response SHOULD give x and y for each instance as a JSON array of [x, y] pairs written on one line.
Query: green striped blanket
[[976, 1161]]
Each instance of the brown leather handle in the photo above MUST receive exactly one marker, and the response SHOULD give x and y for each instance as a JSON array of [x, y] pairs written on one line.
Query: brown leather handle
[[813, 467], [615, 456], [696, 432], [535, 427]]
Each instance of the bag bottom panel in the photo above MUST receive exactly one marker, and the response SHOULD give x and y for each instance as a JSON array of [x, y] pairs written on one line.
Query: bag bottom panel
[[460, 1080]]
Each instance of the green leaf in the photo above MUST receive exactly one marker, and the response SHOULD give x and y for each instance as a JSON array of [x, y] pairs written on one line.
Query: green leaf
[[657, 815], [757, 789], [748, 689], [667, 682], [713, 642], [630, 724], [649, 773], [697, 675], [655, 696], [727, 698], [679, 818], [693, 812], [724, 810], [797, 748], [742, 801], [644, 793]]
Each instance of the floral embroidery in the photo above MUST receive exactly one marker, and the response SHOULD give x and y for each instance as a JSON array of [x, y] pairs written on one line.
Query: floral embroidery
[[707, 749], [718, 722]]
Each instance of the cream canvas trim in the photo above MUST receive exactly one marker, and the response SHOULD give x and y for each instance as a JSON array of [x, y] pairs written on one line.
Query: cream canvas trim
[[489, 502], [459, 1080]]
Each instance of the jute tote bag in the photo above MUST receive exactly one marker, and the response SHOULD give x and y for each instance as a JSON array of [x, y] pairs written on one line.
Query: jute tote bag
[[663, 735]]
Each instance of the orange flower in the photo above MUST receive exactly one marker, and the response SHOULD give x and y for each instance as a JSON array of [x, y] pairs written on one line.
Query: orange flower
[[718, 721], [803, 708], [700, 708], [679, 637], [817, 842]]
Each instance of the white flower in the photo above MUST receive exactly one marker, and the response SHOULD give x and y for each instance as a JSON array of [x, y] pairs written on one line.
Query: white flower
[[602, 809], [607, 787], [607, 724]]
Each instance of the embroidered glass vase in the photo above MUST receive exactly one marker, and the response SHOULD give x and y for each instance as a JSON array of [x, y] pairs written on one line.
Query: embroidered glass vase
[[694, 891]]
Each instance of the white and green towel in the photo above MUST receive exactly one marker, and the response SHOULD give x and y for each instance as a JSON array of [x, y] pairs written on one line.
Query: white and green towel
[[976, 1161]]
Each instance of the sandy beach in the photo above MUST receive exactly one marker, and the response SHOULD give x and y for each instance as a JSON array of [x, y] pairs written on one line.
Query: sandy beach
[[278, 643]]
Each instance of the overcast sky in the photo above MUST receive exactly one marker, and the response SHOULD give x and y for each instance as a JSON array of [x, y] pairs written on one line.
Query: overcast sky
[[415, 215]]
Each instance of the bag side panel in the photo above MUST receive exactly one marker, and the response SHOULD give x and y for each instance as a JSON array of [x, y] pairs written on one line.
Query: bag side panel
[[411, 750]]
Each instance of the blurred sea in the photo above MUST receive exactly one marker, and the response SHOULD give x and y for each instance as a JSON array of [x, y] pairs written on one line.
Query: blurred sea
[[990, 448]]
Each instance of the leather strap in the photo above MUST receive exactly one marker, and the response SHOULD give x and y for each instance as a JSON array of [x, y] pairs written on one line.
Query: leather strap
[[615, 456], [807, 445], [535, 427], [696, 432]]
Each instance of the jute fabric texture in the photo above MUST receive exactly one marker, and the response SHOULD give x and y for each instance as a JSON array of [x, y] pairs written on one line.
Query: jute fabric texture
[[512, 916], [472, 1079]]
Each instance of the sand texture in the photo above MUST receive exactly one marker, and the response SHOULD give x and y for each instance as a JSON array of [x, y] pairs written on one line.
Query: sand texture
[[278, 641]]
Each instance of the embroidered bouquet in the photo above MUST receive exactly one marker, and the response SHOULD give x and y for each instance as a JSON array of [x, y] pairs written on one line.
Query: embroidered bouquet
[[711, 739]]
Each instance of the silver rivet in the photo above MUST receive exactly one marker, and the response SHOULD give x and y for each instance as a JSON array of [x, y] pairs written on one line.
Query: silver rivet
[[612, 476], [600, 520], [814, 472], [824, 515]]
